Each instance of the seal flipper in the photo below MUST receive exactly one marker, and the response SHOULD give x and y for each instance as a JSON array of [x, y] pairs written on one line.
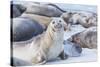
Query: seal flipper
[[39, 60], [63, 56], [41, 63]]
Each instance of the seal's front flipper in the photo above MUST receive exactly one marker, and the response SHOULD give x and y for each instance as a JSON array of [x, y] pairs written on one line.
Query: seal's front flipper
[[38, 60], [63, 56], [42, 62]]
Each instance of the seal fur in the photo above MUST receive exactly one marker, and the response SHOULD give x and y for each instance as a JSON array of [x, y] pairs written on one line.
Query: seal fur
[[44, 47]]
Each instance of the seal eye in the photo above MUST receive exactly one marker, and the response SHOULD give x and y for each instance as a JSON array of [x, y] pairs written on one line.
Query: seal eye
[[53, 22]]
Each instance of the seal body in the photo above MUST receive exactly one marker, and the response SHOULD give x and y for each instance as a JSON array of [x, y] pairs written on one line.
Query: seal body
[[49, 10], [45, 47], [24, 29], [16, 10], [87, 38], [85, 19]]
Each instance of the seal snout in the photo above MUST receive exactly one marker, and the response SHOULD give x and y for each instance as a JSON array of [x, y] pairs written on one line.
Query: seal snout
[[58, 25]]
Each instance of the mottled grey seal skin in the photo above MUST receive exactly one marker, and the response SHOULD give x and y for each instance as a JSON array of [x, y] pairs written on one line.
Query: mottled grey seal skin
[[49, 10], [88, 22], [87, 38], [24, 29], [72, 49], [83, 18], [16, 10]]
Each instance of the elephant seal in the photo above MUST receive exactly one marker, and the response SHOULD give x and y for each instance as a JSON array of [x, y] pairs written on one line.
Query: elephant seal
[[66, 17], [49, 10], [24, 29], [44, 47], [16, 10], [88, 22], [42, 20], [86, 39], [71, 49], [84, 18]]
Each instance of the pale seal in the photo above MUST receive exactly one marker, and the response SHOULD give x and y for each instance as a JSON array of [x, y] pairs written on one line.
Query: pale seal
[[45, 47]]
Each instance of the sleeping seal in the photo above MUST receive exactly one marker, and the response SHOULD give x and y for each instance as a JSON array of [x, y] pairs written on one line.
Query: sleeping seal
[[85, 19], [49, 10], [87, 38], [45, 47], [23, 29]]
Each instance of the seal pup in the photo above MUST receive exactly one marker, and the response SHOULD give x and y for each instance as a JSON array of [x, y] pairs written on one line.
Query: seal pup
[[44, 47], [86, 39]]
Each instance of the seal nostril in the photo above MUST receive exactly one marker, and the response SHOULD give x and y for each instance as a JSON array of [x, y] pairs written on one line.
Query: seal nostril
[[79, 49]]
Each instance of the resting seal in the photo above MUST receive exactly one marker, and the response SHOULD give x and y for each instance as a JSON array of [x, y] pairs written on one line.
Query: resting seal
[[44, 47], [49, 10], [16, 10], [87, 38], [23, 29], [84, 18], [66, 17]]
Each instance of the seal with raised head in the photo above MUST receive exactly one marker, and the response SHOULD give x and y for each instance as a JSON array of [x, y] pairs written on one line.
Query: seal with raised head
[[45, 47]]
